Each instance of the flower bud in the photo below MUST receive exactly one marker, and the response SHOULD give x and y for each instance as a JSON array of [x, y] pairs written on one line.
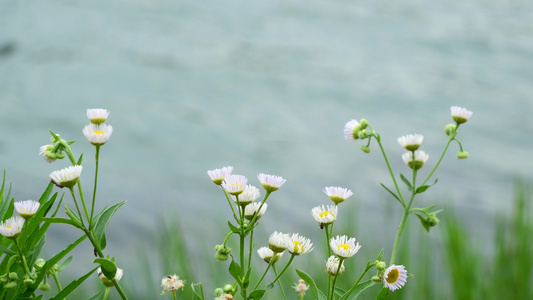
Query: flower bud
[[449, 129], [363, 123], [39, 264], [221, 256], [28, 281], [462, 155], [13, 276], [10, 285], [365, 149], [219, 291], [376, 279], [3, 278], [432, 220], [43, 286], [381, 266], [229, 289]]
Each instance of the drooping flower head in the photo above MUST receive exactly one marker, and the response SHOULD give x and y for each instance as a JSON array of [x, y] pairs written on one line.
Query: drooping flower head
[[395, 277], [99, 134], [218, 175], [249, 194], [27, 209], [333, 264], [343, 246], [298, 244], [66, 177], [252, 208], [337, 194], [301, 287], [46, 152], [270, 183], [460, 115], [411, 142], [418, 161], [171, 283], [97, 115], [351, 130], [12, 227], [266, 254], [106, 281], [234, 184], [278, 242], [325, 215]]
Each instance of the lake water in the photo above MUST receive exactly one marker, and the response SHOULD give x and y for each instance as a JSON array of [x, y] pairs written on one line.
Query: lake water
[[265, 86]]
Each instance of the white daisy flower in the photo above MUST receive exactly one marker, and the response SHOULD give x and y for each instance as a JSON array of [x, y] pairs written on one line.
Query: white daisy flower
[[266, 254], [395, 277], [418, 161], [98, 134], [97, 115], [234, 184], [218, 175], [252, 208], [343, 246], [249, 194], [106, 281], [411, 142], [460, 115], [27, 209], [278, 242], [350, 130], [325, 215], [171, 283], [333, 264], [337, 194], [298, 244], [271, 183], [66, 177], [45, 152], [301, 287], [11, 227]]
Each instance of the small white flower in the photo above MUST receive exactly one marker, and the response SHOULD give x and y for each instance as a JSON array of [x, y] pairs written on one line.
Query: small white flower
[[234, 184], [337, 194], [395, 277], [98, 134], [11, 227], [171, 283], [266, 254], [106, 281], [252, 208], [343, 246], [460, 115], [249, 194], [301, 287], [333, 264], [418, 161], [411, 142], [45, 152], [350, 130], [270, 183], [66, 177], [218, 175], [27, 209], [298, 244], [97, 115], [325, 215], [278, 242]]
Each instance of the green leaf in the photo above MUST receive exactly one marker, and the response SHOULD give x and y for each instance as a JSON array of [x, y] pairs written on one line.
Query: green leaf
[[63, 221], [79, 160], [339, 291], [97, 296], [406, 181], [65, 264], [246, 281], [257, 294], [318, 294], [97, 216], [358, 290], [423, 221], [103, 221], [380, 255], [393, 194], [73, 285], [383, 294], [236, 272], [196, 295], [422, 189], [7, 251], [109, 268], [233, 228]]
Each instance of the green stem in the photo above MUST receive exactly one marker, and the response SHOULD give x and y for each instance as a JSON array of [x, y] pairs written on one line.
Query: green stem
[[96, 156], [23, 258], [174, 295], [440, 159], [282, 271], [266, 270], [368, 267], [230, 204], [73, 161], [335, 279], [279, 283], [77, 207], [378, 139], [227, 237], [251, 247], [252, 221], [106, 293], [56, 279]]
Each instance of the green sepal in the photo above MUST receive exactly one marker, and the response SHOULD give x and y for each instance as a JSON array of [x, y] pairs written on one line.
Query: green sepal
[[406, 181], [108, 266]]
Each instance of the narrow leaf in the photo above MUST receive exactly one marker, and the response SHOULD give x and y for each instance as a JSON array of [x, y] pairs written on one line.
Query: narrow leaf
[[422, 189], [423, 221], [380, 255], [196, 295], [309, 280], [257, 294], [73, 285], [79, 160], [406, 181], [7, 251], [235, 271], [358, 290], [393, 194], [233, 228], [63, 221], [383, 294], [97, 296], [103, 221]]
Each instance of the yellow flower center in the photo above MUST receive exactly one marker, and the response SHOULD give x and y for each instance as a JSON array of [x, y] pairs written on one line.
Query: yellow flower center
[[393, 275], [345, 247], [99, 132], [9, 227], [325, 214], [298, 245]]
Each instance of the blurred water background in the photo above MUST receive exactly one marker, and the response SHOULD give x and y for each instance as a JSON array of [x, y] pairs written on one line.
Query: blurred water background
[[265, 86]]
